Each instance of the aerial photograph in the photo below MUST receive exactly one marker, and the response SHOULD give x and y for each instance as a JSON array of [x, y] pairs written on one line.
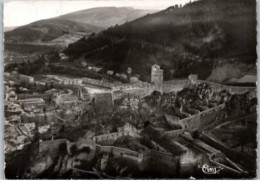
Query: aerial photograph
[[130, 89]]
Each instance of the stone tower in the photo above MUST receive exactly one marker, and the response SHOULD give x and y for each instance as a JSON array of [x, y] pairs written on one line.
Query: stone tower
[[79, 94], [157, 78]]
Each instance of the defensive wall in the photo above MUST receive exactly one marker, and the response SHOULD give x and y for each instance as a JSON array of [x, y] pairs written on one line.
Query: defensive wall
[[140, 90], [147, 159], [96, 82], [45, 97], [111, 137], [174, 85], [201, 119], [174, 133], [232, 89], [179, 84], [194, 122]]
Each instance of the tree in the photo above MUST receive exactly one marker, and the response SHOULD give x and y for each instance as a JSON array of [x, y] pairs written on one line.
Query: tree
[[195, 134]]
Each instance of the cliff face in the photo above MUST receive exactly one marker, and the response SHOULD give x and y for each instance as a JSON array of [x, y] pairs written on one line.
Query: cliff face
[[53, 159]]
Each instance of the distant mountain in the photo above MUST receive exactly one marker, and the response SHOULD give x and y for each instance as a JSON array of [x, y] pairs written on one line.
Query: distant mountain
[[61, 31], [9, 28], [51, 31], [106, 16], [196, 38]]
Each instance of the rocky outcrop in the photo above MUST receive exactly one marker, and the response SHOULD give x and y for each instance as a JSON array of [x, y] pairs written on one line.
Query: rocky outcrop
[[58, 158]]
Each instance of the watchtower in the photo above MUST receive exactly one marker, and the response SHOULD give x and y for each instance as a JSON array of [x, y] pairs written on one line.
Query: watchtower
[[157, 77]]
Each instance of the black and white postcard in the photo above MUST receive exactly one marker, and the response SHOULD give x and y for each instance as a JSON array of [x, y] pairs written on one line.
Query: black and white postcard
[[130, 89]]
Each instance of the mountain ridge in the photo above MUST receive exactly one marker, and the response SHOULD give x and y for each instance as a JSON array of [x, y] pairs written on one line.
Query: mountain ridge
[[106, 16], [61, 30]]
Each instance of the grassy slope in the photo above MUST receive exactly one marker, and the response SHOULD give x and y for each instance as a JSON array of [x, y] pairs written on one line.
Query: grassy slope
[[47, 30], [106, 16]]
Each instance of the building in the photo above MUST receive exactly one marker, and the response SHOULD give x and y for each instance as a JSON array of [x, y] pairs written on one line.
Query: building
[[45, 97], [83, 95], [26, 79], [66, 100], [193, 78], [110, 72], [39, 118], [103, 103], [14, 119], [11, 96], [63, 56], [127, 128], [10, 108], [157, 77], [35, 104], [96, 69], [134, 80], [72, 81]]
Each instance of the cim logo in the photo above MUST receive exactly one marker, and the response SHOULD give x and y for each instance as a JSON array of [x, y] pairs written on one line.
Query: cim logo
[[210, 169]]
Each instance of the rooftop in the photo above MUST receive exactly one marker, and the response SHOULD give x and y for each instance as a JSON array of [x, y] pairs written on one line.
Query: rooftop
[[68, 98], [34, 100]]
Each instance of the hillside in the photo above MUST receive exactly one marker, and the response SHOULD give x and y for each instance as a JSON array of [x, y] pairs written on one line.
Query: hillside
[[106, 16], [63, 30], [195, 38], [51, 31], [9, 28]]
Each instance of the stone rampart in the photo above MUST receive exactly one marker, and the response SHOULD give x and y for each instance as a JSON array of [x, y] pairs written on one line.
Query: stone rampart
[[174, 85], [231, 89], [201, 119], [174, 133], [111, 137], [97, 82], [133, 89], [179, 84], [151, 156]]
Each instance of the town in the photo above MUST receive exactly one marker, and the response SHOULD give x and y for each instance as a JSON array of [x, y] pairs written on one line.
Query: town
[[135, 90], [122, 127]]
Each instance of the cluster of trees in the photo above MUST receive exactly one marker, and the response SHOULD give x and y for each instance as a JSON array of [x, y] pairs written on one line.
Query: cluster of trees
[[30, 68]]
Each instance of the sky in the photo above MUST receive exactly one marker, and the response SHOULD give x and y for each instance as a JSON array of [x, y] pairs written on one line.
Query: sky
[[17, 13]]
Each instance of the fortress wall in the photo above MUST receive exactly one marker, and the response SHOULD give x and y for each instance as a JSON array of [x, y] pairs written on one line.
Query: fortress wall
[[117, 151], [110, 137], [140, 91], [173, 133], [174, 85], [143, 90], [232, 89], [97, 82], [152, 160], [147, 155], [158, 147], [179, 84], [202, 119], [190, 123]]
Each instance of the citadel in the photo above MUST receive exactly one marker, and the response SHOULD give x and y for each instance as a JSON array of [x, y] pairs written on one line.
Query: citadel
[[169, 123]]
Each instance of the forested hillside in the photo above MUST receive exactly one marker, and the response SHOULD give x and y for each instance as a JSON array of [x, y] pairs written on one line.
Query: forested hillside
[[183, 40]]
